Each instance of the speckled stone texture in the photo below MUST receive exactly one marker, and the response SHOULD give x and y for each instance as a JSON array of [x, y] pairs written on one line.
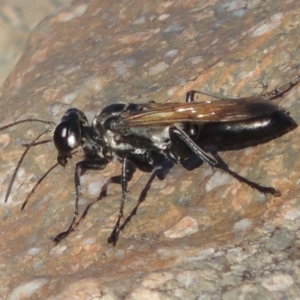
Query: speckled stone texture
[[199, 234], [17, 19]]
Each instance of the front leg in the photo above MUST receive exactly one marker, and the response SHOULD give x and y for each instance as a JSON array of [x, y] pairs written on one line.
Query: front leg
[[91, 164]]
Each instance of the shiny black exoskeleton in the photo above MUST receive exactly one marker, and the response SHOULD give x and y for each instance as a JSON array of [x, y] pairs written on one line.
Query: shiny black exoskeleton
[[145, 134]]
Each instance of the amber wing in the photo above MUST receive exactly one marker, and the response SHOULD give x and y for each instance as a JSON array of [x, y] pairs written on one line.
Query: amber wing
[[199, 112]]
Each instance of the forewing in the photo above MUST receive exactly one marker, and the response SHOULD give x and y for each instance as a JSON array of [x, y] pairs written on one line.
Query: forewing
[[199, 112]]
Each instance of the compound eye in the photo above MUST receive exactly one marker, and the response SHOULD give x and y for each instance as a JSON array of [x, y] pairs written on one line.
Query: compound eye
[[66, 137]]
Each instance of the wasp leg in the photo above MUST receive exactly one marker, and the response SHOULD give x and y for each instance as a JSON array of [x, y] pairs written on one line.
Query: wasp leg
[[160, 174], [103, 193], [114, 236], [219, 163], [82, 165], [263, 189], [194, 147], [276, 93], [191, 128]]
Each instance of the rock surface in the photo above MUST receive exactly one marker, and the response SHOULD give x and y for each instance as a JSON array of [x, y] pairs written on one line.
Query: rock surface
[[199, 234], [17, 19]]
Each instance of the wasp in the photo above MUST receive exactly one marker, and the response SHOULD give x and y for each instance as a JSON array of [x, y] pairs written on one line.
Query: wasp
[[146, 134]]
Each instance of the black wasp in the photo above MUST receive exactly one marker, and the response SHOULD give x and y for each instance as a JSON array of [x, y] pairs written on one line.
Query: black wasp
[[147, 134]]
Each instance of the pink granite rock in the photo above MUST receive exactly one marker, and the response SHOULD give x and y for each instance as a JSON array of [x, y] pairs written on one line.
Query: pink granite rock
[[93, 53]]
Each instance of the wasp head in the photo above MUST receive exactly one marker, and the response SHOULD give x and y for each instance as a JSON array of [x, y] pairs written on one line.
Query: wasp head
[[68, 134]]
